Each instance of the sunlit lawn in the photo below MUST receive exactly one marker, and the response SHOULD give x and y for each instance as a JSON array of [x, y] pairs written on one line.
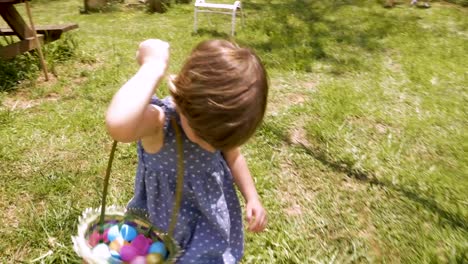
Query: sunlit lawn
[[362, 156]]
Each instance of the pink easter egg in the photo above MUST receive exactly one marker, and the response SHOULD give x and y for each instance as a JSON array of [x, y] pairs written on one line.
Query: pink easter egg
[[128, 253], [93, 239], [104, 236], [141, 244], [139, 260]]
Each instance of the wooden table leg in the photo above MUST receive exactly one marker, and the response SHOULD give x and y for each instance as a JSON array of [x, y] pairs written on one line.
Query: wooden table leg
[[16, 22]]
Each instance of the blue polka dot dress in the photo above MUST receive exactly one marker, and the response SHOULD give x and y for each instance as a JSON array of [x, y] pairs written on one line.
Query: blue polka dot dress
[[209, 227]]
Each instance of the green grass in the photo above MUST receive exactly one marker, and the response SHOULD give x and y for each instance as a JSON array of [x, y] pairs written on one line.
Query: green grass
[[361, 158]]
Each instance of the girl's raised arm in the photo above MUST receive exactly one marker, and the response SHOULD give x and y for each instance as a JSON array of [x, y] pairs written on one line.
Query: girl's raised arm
[[130, 116]]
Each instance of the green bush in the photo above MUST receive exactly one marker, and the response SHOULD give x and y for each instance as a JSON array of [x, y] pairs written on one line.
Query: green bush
[[26, 66], [13, 72]]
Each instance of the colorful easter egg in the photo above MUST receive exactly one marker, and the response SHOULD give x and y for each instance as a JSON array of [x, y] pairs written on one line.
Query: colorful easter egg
[[93, 239], [128, 232], [115, 258], [116, 244], [115, 254], [104, 236], [158, 247], [101, 251], [154, 258], [138, 260], [141, 244], [128, 253], [113, 233]]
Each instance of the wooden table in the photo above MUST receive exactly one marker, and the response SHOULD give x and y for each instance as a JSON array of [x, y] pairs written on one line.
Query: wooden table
[[23, 31]]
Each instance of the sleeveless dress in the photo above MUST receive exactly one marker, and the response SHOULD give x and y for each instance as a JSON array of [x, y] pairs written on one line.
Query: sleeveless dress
[[209, 226]]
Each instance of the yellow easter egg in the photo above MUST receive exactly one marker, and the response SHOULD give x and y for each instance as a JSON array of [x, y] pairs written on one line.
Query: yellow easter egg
[[154, 258], [116, 245]]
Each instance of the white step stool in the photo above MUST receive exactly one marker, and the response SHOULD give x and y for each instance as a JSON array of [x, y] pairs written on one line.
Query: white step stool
[[203, 7]]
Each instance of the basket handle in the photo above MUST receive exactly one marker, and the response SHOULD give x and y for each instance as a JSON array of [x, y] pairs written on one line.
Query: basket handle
[[180, 178], [179, 181]]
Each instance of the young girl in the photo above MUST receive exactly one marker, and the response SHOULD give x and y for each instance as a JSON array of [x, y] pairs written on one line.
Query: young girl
[[218, 100]]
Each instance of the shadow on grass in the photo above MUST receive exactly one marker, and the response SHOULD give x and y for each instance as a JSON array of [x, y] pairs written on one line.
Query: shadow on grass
[[450, 218], [26, 66], [368, 177], [212, 33], [14, 71], [297, 32]]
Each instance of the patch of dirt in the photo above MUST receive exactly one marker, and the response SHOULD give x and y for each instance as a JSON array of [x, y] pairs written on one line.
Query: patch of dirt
[[294, 194], [286, 100], [299, 136], [381, 128], [41, 80], [21, 103], [294, 210], [369, 232], [84, 70], [18, 255], [392, 65], [15, 209], [10, 216], [289, 93], [350, 184]]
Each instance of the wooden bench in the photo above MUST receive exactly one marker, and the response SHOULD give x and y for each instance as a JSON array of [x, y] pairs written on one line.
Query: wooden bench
[[22, 46], [50, 32], [26, 35]]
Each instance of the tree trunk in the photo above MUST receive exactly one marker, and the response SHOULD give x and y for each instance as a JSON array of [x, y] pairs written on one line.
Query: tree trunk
[[159, 6], [94, 5]]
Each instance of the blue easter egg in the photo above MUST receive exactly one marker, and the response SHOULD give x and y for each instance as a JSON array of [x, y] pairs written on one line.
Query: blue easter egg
[[115, 254], [115, 260], [158, 247], [128, 232], [113, 233]]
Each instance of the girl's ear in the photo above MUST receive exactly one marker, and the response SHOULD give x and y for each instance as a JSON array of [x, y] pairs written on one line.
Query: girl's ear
[[170, 81]]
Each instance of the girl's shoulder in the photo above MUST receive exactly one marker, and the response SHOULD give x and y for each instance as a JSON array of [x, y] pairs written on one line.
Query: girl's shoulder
[[166, 103], [153, 143], [168, 107]]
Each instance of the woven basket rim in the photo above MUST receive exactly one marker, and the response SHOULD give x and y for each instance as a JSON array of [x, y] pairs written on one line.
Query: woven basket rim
[[90, 217]]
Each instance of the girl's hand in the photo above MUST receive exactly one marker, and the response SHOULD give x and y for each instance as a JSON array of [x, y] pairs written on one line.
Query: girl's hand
[[153, 51], [256, 216]]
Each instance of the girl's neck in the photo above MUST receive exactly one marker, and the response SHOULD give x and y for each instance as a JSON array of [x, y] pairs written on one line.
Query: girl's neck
[[192, 137]]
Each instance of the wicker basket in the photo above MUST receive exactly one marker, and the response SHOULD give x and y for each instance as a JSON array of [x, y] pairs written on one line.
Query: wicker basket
[[93, 220], [89, 223]]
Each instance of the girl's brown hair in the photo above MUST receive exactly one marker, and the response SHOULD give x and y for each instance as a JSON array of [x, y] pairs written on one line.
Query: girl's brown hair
[[222, 91]]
